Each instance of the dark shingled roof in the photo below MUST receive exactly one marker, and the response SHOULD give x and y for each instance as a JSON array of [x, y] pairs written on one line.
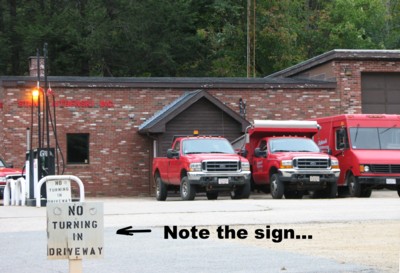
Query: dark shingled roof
[[167, 82], [156, 124]]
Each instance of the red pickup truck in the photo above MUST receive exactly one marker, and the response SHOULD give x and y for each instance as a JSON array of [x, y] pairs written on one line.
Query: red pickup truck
[[198, 163], [7, 171], [286, 161]]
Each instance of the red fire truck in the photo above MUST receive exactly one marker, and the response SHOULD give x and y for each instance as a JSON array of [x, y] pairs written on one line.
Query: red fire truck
[[368, 149], [286, 161]]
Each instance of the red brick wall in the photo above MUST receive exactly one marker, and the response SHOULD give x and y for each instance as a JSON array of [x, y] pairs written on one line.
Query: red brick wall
[[349, 84], [120, 157]]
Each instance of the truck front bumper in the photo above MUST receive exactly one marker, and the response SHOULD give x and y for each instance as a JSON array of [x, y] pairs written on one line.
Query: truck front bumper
[[312, 176], [386, 182], [219, 178]]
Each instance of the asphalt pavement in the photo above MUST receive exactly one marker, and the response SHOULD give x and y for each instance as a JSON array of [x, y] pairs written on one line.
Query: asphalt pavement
[[23, 235]]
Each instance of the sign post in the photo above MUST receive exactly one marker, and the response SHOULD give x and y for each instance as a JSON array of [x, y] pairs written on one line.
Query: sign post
[[75, 231]]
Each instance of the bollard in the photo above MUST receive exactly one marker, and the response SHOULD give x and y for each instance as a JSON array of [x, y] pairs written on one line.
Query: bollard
[[6, 194], [14, 192]]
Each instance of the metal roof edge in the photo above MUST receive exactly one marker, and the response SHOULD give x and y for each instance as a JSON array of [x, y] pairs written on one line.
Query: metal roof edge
[[341, 54]]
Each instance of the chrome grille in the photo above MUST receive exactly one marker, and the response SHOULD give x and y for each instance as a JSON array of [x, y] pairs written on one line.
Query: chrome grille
[[221, 166], [311, 163], [383, 168]]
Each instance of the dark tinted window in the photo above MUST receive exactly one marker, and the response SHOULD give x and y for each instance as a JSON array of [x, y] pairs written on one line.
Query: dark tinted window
[[78, 148]]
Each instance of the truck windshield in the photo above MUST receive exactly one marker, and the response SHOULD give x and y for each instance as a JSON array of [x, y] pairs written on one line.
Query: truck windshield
[[200, 146], [375, 138], [2, 165], [293, 145]]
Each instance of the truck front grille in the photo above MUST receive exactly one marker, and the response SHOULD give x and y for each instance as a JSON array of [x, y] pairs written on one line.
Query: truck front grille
[[311, 163], [383, 168], [221, 166]]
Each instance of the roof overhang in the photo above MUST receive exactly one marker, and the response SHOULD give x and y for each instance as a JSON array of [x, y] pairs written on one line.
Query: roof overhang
[[338, 54]]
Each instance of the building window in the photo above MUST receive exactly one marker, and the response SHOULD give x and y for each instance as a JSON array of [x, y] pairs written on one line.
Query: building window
[[77, 148]]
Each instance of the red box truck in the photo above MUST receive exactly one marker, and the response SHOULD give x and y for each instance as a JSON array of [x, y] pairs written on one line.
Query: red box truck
[[368, 149]]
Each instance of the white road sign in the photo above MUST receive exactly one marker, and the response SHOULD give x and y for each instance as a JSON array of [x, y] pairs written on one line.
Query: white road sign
[[58, 191], [75, 230]]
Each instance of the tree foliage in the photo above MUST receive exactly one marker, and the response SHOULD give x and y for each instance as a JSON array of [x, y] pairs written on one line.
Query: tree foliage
[[175, 38]]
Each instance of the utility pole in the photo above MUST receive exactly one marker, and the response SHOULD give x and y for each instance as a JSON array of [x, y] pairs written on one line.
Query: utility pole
[[251, 38]]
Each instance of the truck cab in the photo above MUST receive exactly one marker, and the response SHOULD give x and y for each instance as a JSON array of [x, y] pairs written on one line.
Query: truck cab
[[368, 149], [286, 161]]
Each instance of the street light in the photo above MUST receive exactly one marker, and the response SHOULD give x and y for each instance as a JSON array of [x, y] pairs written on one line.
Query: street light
[[35, 94]]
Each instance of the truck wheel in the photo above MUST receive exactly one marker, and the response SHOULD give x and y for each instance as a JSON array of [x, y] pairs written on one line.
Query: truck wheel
[[398, 192], [354, 186], [332, 190], [243, 192], [277, 187], [188, 191], [161, 189], [212, 195], [365, 192]]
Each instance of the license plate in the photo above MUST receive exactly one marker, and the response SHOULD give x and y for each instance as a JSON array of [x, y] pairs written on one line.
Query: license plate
[[314, 178], [223, 180], [391, 181]]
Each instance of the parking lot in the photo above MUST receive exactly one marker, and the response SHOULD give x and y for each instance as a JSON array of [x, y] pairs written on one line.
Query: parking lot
[[342, 235]]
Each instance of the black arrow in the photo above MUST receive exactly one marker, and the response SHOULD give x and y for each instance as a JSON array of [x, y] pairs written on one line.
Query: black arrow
[[128, 231]]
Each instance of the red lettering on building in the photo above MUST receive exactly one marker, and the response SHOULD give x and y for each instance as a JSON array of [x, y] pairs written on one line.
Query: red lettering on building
[[68, 103], [106, 104]]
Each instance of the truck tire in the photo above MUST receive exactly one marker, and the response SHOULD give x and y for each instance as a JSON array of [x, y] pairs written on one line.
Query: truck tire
[[356, 189], [333, 190], [212, 195], [354, 186], [242, 192], [188, 191], [161, 189], [277, 187], [398, 192]]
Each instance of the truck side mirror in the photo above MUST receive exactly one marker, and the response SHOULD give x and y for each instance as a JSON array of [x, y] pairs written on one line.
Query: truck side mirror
[[259, 153], [172, 153], [342, 132], [243, 152]]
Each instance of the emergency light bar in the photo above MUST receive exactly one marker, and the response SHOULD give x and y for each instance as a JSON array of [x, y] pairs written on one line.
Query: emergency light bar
[[306, 124]]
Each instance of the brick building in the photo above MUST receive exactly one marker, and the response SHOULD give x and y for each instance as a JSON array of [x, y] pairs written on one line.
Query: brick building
[[109, 129]]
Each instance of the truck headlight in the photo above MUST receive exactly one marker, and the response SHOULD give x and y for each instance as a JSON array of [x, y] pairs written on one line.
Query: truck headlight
[[195, 167], [335, 164], [364, 168], [245, 166], [3, 180], [286, 164]]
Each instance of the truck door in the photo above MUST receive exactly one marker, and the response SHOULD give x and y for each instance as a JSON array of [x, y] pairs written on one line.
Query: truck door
[[174, 166], [259, 164], [341, 151]]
